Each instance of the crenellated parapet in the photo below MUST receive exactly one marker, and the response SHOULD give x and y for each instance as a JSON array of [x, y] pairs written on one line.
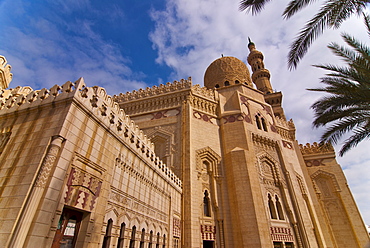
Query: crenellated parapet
[[5, 75], [101, 106], [284, 123], [203, 92], [316, 148], [285, 128], [154, 91], [169, 96]]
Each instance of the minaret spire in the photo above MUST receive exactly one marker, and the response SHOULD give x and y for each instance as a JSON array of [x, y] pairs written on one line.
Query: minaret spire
[[260, 76]]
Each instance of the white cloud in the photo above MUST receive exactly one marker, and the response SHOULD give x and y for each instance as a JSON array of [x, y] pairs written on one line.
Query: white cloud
[[190, 34], [43, 54]]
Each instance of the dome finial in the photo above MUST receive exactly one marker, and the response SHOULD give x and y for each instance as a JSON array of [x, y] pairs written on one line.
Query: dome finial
[[251, 45]]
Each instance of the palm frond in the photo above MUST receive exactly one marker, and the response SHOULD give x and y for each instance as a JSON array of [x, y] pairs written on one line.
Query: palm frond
[[334, 132], [254, 6], [360, 135], [367, 22], [332, 14], [294, 6]]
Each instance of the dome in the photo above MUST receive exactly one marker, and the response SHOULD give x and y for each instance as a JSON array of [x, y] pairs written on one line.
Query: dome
[[226, 71]]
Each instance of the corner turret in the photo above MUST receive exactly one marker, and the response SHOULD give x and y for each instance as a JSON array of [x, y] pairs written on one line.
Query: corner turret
[[5, 75]]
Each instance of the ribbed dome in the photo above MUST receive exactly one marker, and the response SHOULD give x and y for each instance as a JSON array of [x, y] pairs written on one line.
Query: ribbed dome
[[226, 71]]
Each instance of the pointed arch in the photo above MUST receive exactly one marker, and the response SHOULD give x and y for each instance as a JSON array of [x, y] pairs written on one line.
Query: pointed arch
[[108, 234], [327, 176], [206, 156], [121, 236], [279, 208], [206, 204], [268, 162], [162, 141], [272, 208], [132, 240]]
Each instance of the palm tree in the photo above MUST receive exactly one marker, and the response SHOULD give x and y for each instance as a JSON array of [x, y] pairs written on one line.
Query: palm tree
[[330, 15], [347, 107]]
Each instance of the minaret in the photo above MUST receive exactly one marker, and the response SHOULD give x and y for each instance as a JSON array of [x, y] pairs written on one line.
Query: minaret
[[260, 76]]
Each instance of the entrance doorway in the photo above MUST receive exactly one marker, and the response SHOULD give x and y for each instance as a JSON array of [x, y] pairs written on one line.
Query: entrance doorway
[[68, 227], [208, 244]]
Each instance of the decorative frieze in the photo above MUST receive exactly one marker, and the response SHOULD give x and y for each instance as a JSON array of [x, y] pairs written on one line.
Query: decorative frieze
[[281, 234], [314, 162], [203, 105], [125, 201], [83, 189], [264, 141], [204, 117], [236, 117], [208, 232]]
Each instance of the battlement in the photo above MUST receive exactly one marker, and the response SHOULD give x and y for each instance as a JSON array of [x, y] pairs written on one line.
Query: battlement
[[164, 89], [284, 123], [104, 108], [285, 128], [5, 75], [316, 148], [153, 91]]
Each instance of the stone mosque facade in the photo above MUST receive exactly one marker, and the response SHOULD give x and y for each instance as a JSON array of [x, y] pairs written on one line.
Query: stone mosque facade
[[174, 165]]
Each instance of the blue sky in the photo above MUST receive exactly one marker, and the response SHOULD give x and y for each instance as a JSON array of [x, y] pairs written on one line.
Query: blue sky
[[131, 44]]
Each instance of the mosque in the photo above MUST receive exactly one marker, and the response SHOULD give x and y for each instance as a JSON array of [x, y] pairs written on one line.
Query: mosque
[[174, 165]]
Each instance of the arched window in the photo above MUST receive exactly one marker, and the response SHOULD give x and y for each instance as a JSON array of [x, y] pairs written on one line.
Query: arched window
[[108, 234], [279, 208], [227, 83], [121, 235], [237, 82], [272, 208], [264, 124], [217, 86], [132, 240], [150, 239], [157, 245], [164, 240], [142, 240], [206, 204], [258, 122]]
